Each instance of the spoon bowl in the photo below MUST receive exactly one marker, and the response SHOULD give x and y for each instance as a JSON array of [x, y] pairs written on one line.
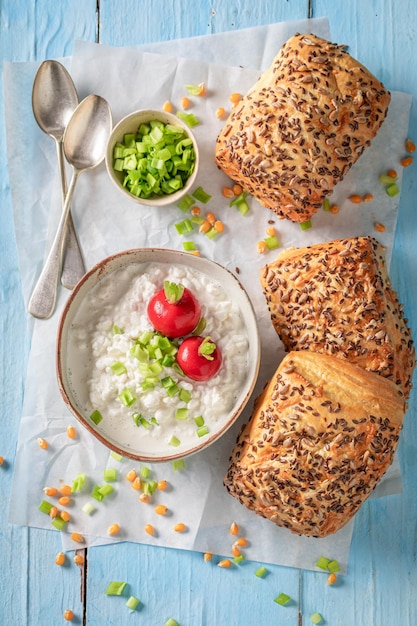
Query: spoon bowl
[[85, 141], [54, 99]]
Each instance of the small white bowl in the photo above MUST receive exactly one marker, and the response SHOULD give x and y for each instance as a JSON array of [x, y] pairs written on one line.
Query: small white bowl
[[130, 124], [74, 361]]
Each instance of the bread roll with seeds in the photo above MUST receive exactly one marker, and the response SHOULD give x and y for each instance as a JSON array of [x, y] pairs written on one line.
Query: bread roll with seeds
[[336, 298], [321, 436], [302, 126]]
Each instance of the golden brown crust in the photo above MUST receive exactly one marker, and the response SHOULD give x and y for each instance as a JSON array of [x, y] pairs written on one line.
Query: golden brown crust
[[302, 126], [321, 437], [337, 298]]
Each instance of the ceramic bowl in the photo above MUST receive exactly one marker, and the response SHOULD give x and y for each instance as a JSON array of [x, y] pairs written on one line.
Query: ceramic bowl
[[94, 296], [130, 124]]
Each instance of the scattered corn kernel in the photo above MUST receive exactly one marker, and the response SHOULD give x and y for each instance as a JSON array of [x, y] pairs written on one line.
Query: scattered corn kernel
[[218, 226], [161, 509], [270, 231], [235, 551], [167, 106], [355, 198], [195, 210], [262, 247], [53, 512], [234, 528], [235, 98], [42, 443], [78, 559], [65, 490], [237, 189], [149, 529], [180, 527], [145, 498], [410, 146], [131, 475], [407, 161], [331, 579], [210, 217], [50, 491], [162, 485], [205, 227], [392, 174], [64, 500], [207, 556], [60, 558], [1, 460], [113, 529], [185, 102], [71, 432], [334, 209], [137, 483], [203, 89], [220, 113], [65, 516], [68, 615], [379, 227], [228, 192], [225, 563], [77, 537], [368, 197], [241, 542]]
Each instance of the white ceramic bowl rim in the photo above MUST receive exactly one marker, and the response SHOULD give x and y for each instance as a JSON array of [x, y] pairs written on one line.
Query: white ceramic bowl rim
[[156, 255]]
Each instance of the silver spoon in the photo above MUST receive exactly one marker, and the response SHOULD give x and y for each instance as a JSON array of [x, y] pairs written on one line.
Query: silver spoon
[[85, 141], [54, 99]]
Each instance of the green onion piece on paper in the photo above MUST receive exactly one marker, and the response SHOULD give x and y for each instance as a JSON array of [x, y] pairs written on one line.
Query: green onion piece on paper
[[178, 464], [105, 490], [326, 204], [305, 225], [271, 242], [45, 507], [201, 195], [392, 190], [322, 562], [110, 474], [333, 567], [116, 455], [78, 482], [88, 508], [59, 523], [185, 203], [189, 118]]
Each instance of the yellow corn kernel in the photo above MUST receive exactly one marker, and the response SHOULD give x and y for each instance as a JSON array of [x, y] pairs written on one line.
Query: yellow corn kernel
[[68, 615], [237, 189], [167, 106], [53, 512], [331, 579], [203, 89], [180, 527], [225, 563], [228, 192], [65, 490], [270, 231], [368, 197], [71, 432], [407, 161], [334, 209], [60, 558], [241, 542], [145, 498], [78, 559], [77, 537], [235, 551], [218, 226], [410, 146], [205, 227], [392, 174], [220, 113], [261, 247], [185, 102], [1, 460], [42, 443], [161, 509], [208, 556], [150, 529], [195, 210], [113, 529], [235, 98], [379, 227], [210, 217], [234, 528], [137, 483], [355, 198], [50, 491], [64, 501], [131, 475], [65, 516], [162, 485]]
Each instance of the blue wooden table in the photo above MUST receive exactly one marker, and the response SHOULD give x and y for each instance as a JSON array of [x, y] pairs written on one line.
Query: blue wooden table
[[381, 583]]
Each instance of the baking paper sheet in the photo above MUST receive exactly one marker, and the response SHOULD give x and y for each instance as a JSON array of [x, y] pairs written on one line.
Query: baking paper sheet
[[140, 77]]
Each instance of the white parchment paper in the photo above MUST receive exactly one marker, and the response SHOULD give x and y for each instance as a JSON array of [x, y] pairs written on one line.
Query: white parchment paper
[[140, 77]]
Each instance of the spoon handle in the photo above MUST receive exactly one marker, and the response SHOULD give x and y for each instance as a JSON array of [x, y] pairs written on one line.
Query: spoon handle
[[43, 299], [73, 264]]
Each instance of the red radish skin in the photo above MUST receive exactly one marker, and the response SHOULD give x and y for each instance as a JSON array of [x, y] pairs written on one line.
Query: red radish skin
[[174, 319], [195, 365]]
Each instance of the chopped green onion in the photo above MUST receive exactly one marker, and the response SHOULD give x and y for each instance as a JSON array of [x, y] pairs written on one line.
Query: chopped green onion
[[203, 430], [271, 242], [171, 622], [117, 330], [115, 588], [189, 246], [126, 397], [58, 523], [322, 562], [174, 441], [392, 190], [178, 464], [316, 618], [110, 474], [326, 204], [185, 395], [193, 90], [305, 225], [45, 507], [96, 494], [118, 368], [184, 227], [116, 455], [88, 508], [386, 180], [105, 490], [96, 417], [185, 203], [132, 603], [282, 599], [145, 472], [240, 203], [238, 559], [189, 118], [201, 195], [173, 390], [78, 482], [333, 567], [212, 233], [181, 414], [199, 420], [261, 572], [167, 382]]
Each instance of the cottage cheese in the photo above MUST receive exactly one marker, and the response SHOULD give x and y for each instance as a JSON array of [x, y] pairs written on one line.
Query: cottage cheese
[[121, 300]]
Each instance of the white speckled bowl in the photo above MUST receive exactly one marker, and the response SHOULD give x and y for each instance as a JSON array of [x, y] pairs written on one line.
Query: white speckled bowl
[[130, 124], [73, 365]]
